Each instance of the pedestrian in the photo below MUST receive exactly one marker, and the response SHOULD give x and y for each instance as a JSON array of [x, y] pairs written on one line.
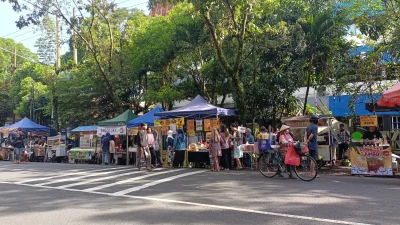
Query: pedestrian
[[143, 147], [179, 149], [312, 139], [170, 147], [105, 149], [285, 141], [112, 150], [344, 139], [151, 141], [248, 137], [19, 146], [237, 141], [157, 149], [226, 150], [215, 148]]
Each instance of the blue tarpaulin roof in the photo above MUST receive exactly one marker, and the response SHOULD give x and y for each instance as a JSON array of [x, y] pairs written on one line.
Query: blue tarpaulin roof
[[146, 118], [197, 108], [339, 105], [85, 128], [28, 125]]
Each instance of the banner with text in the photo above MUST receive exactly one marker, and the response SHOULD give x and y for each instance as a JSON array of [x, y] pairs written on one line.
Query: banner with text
[[113, 130]]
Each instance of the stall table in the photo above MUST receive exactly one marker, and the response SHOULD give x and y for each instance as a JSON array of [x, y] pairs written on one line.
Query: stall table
[[197, 157], [251, 150]]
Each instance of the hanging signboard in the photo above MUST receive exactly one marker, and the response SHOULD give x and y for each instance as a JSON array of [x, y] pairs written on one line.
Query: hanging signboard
[[133, 131], [367, 121], [190, 128], [207, 125], [215, 123], [113, 130], [371, 160], [199, 125]]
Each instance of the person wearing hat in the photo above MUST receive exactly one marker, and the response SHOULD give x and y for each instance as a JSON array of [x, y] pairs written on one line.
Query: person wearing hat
[[285, 139]]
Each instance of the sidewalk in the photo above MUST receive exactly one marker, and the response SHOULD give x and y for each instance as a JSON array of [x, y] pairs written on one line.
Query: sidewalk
[[341, 171], [336, 170]]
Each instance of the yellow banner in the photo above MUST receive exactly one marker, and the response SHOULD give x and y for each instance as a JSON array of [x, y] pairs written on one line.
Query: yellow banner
[[191, 133], [190, 125], [207, 125], [369, 160], [367, 121], [215, 123]]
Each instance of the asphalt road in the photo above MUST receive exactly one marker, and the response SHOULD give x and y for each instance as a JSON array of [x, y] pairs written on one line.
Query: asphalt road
[[47, 194]]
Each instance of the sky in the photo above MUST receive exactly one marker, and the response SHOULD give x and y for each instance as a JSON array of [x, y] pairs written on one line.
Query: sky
[[28, 35]]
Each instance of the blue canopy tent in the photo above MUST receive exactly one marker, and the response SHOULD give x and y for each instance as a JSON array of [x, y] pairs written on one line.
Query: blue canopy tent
[[85, 128], [197, 108], [26, 125], [147, 118]]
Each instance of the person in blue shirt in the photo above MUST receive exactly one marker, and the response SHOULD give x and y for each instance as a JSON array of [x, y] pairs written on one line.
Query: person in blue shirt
[[312, 138], [105, 149], [179, 148]]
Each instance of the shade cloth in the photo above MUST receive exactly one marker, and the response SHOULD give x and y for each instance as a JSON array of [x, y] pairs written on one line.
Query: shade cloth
[[147, 118], [391, 97], [119, 120], [85, 128], [197, 108], [26, 125]]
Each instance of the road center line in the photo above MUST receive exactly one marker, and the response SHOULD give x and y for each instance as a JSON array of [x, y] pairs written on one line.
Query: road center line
[[79, 177], [64, 175], [129, 180], [123, 192], [100, 179], [206, 205]]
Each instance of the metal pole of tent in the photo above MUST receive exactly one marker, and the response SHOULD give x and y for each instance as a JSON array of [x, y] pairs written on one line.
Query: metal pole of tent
[[127, 147]]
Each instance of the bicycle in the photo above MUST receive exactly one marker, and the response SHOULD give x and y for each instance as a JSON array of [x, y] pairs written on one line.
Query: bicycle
[[271, 162]]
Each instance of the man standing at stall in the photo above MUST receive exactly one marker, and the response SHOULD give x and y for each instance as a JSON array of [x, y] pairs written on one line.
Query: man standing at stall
[[344, 138], [312, 138], [105, 149], [143, 147]]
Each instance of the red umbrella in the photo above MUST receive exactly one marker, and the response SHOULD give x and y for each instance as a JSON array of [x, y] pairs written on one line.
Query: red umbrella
[[391, 97]]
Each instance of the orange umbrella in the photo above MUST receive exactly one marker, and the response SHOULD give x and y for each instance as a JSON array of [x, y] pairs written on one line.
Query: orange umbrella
[[391, 97]]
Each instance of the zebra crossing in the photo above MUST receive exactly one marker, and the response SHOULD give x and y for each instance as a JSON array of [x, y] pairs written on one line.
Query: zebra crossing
[[112, 181]]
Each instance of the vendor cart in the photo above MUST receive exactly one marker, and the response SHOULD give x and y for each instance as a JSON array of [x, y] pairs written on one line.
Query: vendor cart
[[57, 149], [327, 137]]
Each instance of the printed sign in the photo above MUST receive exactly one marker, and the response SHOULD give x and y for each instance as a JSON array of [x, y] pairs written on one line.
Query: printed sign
[[207, 125], [215, 123], [199, 125], [190, 128], [113, 130], [371, 160], [84, 142], [367, 121]]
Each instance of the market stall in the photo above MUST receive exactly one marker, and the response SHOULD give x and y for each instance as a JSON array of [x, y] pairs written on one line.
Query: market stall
[[118, 127], [57, 148], [89, 145], [31, 129], [327, 134], [370, 156], [200, 117], [148, 118]]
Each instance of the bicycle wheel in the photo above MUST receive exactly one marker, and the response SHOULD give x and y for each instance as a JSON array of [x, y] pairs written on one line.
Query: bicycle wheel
[[308, 168], [268, 165]]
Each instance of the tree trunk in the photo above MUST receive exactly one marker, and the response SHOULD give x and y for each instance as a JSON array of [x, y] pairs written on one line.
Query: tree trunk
[[307, 90]]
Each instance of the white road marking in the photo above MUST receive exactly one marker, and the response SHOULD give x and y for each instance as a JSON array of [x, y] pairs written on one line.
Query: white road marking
[[64, 175], [285, 215], [123, 192], [100, 179], [79, 177], [128, 180]]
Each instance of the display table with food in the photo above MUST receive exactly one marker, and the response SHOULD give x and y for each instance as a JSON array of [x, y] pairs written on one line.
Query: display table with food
[[197, 155]]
